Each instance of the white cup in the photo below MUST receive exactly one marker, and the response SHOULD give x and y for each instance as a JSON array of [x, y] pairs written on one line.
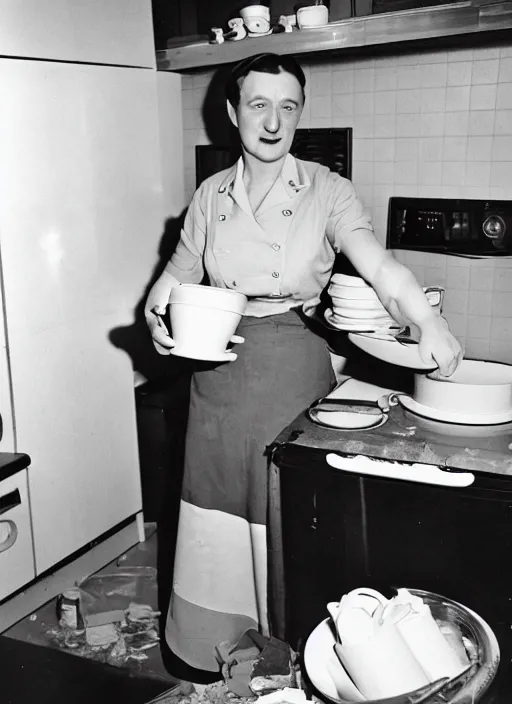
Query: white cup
[[257, 25], [312, 16]]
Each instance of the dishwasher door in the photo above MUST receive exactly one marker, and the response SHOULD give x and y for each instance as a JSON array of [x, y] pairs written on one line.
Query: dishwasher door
[[341, 530]]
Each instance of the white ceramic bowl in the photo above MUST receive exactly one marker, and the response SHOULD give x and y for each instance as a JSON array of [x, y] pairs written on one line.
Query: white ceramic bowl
[[255, 11], [204, 318], [257, 25], [312, 16], [209, 297], [476, 387]]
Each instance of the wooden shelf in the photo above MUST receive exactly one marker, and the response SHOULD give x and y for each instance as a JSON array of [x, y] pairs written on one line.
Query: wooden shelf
[[422, 25]]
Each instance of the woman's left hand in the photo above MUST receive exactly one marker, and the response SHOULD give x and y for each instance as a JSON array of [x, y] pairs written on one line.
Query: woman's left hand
[[437, 342]]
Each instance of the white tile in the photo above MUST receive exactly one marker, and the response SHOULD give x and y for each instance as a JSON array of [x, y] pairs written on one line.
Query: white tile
[[485, 71], [503, 279], [362, 149], [321, 122], [385, 126], [501, 174], [457, 277], [479, 326], [408, 77], [363, 103], [408, 101], [457, 322], [343, 105], [459, 73], [321, 84], [480, 302], [486, 53], [505, 72], [479, 148], [499, 193], [431, 124], [483, 97], [434, 75], [364, 80], [456, 124], [453, 173], [455, 148], [429, 191], [364, 126], [381, 195], [475, 348], [431, 148], [504, 96], [435, 276], [406, 149], [502, 304], [457, 98], [406, 172], [384, 149], [321, 107], [188, 99], [501, 329], [481, 122], [430, 173], [506, 52], [363, 172], [415, 258], [385, 102], [433, 100], [503, 122], [502, 149], [383, 172], [365, 195], [476, 192], [386, 78], [500, 351], [460, 55], [343, 80], [455, 301], [482, 278], [454, 191], [478, 173]]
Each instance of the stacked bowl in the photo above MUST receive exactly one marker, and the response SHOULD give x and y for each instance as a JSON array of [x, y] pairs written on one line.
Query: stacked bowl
[[356, 307]]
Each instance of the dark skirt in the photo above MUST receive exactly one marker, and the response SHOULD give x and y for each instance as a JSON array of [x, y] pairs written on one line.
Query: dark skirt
[[236, 410]]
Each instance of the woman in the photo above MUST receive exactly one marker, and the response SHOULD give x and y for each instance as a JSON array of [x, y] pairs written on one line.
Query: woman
[[269, 227]]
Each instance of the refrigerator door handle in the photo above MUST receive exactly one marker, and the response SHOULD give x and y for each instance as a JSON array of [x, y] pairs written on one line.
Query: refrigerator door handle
[[421, 473]]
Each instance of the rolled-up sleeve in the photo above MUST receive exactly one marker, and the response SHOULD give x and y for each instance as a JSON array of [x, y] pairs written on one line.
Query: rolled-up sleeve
[[346, 212], [186, 264]]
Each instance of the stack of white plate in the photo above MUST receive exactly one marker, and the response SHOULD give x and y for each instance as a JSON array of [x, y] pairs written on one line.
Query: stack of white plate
[[356, 307]]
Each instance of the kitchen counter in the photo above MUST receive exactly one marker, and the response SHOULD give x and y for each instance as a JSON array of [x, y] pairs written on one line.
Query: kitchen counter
[[412, 439], [12, 462]]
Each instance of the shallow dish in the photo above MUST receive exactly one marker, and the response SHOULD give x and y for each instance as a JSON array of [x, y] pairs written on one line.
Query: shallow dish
[[345, 280], [451, 417], [358, 313], [388, 349], [350, 325], [353, 292], [359, 303]]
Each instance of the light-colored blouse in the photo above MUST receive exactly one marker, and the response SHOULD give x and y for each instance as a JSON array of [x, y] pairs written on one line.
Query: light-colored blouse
[[282, 255]]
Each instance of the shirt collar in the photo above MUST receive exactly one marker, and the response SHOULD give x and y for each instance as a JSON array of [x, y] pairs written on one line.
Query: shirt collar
[[293, 179]]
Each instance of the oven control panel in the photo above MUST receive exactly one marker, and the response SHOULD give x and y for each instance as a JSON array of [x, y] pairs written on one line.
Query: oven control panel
[[470, 227]]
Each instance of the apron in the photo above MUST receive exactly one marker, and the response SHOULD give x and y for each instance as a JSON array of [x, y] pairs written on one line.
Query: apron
[[236, 410]]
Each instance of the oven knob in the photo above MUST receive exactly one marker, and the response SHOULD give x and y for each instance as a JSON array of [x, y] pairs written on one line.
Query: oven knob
[[494, 227]]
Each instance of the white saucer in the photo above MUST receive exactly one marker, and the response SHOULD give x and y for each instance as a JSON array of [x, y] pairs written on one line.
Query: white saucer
[[448, 417], [390, 350], [315, 26], [202, 356], [366, 326], [259, 34]]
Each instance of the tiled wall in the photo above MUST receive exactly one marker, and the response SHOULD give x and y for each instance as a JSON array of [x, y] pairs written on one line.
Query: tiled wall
[[436, 124]]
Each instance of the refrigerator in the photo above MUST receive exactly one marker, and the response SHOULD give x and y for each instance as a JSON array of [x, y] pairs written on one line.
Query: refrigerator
[[83, 205]]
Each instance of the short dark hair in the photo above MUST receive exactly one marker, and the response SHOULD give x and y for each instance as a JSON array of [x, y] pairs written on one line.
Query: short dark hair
[[263, 63]]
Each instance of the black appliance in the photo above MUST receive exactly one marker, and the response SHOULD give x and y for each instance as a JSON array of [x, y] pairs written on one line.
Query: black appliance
[[448, 226], [333, 530]]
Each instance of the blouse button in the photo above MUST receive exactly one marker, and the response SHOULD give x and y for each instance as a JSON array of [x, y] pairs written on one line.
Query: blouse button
[[222, 218], [287, 213], [275, 274], [276, 246]]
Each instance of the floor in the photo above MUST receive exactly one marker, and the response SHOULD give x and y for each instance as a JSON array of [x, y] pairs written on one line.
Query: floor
[[34, 628]]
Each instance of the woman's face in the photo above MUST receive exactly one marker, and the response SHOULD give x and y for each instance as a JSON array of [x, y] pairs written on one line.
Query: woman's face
[[268, 113]]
